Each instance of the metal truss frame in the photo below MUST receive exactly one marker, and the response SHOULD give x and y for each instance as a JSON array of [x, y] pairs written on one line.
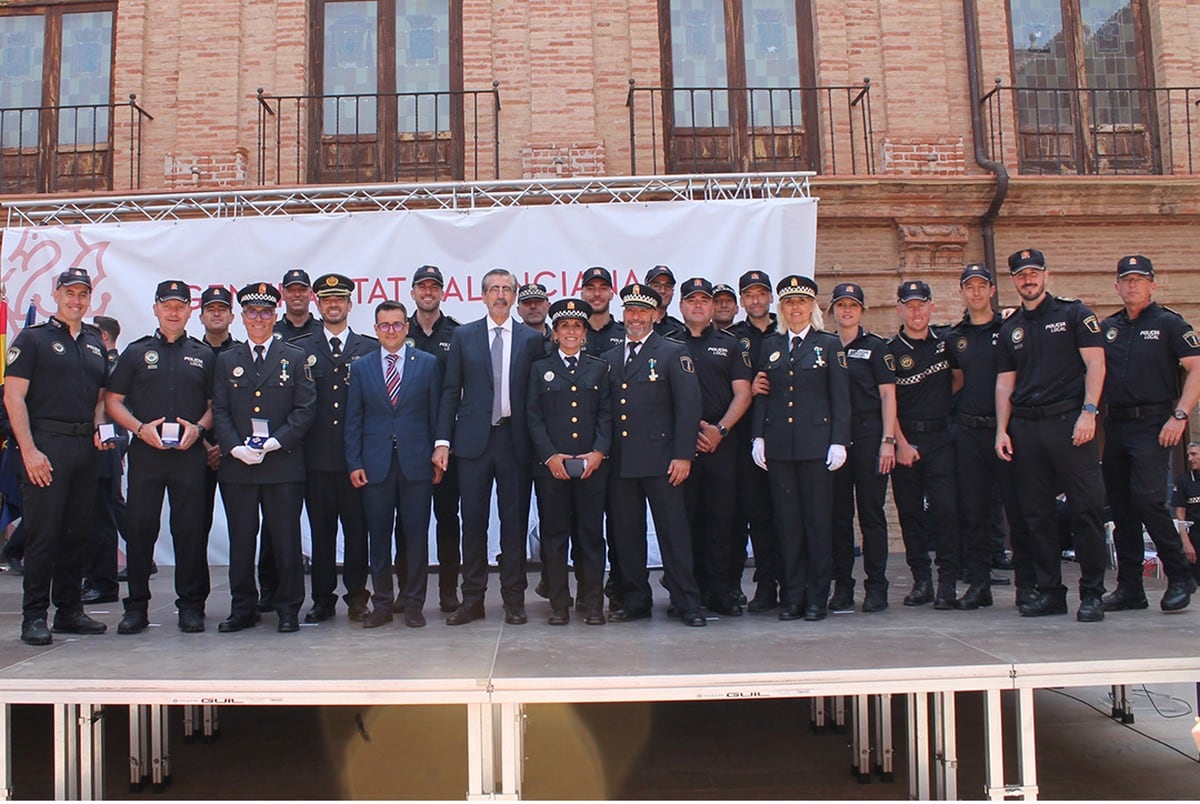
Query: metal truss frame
[[453, 196]]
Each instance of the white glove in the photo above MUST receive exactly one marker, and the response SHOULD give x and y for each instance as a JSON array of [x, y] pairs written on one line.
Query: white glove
[[835, 457], [758, 451], [270, 445], [246, 455]]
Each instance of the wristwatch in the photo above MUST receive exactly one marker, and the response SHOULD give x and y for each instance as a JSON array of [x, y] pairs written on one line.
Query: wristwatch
[[889, 440], [722, 429], [1180, 414], [1090, 408]]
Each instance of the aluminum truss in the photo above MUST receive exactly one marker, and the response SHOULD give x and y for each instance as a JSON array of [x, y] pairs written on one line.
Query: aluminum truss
[[455, 196]]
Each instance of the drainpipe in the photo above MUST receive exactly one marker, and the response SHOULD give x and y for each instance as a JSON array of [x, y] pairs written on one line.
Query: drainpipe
[[971, 29]]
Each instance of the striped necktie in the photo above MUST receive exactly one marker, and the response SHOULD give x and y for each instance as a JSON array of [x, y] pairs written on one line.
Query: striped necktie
[[393, 379]]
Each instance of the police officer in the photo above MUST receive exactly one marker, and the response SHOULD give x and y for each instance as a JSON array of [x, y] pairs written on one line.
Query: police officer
[[297, 295], [430, 332], [263, 405], [570, 426], [533, 305], [725, 306], [973, 342], [604, 331], [801, 429], [216, 314], [1144, 346], [926, 379], [663, 281], [1185, 497], [100, 578], [329, 496], [656, 415], [1051, 373], [862, 482], [756, 515], [161, 392], [53, 395], [724, 371]]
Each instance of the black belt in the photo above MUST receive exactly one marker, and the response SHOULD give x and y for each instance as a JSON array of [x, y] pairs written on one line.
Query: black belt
[[503, 421], [977, 422], [924, 425], [869, 417], [1046, 411], [1140, 411], [63, 428]]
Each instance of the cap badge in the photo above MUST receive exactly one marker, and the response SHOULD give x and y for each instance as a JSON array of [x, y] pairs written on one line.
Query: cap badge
[[262, 288], [1025, 255], [331, 281]]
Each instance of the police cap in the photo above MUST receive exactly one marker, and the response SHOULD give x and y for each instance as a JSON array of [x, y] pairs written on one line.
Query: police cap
[[173, 289], [259, 294], [1135, 264], [569, 308], [1026, 258], [216, 295], [636, 295], [975, 269], [796, 285], [914, 290], [333, 285], [296, 276]]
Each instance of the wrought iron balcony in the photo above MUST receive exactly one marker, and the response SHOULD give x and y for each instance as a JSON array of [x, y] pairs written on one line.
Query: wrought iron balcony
[[751, 129], [364, 138], [1146, 130], [71, 148]]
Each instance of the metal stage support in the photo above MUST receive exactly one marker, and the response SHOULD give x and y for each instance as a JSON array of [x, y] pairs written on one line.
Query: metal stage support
[[208, 718], [149, 747], [79, 758], [1122, 709], [997, 788], [6, 782]]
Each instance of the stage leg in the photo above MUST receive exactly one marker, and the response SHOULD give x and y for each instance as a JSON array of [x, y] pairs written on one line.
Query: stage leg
[[817, 724], [91, 753], [1026, 745], [839, 714], [918, 746], [160, 756], [6, 791], [860, 712], [512, 750], [481, 756], [946, 742], [885, 750], [212, 723]]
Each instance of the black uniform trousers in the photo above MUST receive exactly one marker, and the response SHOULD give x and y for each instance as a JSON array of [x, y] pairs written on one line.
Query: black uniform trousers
[[803, 495], [980, 472], [858, 485], [55, 521], [330, 497], [475, 477], [445, 510], [571, 520], [399, 508], [629, 496], [712, 517], [756, 514], [1136, 481], [280, 504], [108, 521], [931, 479], [180, 473], [1046, 463]]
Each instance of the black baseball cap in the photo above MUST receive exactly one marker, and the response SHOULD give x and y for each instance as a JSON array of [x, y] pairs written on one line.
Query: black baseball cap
[[173, 289], [752, 278], [1135, 264], [914, 290], [296, 276], [848, 290], [216, 294], [975, 269], [696, 285], [1026, 258], [657, 271], [721, 287], [429, 272], [73, 276], [597, 272]]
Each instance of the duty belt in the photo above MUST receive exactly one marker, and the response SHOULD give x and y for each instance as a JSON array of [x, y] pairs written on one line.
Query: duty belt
[[924, 425], [1140, 411], [977, 422], [1046, 411], [62, 428]]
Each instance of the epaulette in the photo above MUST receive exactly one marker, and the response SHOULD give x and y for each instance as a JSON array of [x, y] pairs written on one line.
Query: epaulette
[[143, 338], [1068, 299], [452, 320], [673, 340], [1169, 310], [585, 356], [92, 328]]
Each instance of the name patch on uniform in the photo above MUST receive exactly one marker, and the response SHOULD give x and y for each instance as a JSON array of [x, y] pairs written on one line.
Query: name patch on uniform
[[1150, 334], [192, 360], [1092, 324], [150, 357], [1058, 326], [859, 354], [59, 349], [719, 351], [94, 349]]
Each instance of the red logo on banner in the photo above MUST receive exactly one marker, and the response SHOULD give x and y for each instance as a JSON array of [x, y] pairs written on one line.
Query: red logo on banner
[[35, 263]]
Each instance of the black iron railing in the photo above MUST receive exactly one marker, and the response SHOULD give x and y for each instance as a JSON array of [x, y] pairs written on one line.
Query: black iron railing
[[1147, 130], [404, 136], [752, 129], [68, 147]]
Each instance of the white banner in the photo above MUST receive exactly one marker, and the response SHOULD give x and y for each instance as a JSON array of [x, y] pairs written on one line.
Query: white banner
[[552, 245]]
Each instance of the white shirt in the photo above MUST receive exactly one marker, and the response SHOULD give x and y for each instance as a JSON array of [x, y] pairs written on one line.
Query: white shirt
[[506, 334], [802, 334], [341, 336]]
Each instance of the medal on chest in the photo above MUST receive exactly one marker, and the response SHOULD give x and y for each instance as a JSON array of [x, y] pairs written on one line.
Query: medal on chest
[[653, 374], [283, 371], [820, 361]]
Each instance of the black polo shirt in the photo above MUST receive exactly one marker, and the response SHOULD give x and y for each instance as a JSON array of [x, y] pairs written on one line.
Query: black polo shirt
[[974, 349], [601, 340], [229, 342], [720, 360], [867, 361], [923, 379], [65, 374], [437, 342], [288, 331], [165, 379], [1186, 494], [1142, 356], [1042, 346]]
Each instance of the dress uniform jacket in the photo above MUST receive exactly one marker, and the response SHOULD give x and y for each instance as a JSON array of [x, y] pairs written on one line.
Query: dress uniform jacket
[[283, 394], [324, 445], [809, 405], [568, 413]]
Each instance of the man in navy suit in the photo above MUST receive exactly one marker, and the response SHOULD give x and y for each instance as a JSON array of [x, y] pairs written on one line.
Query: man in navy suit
[[390, 417], [482, 419]]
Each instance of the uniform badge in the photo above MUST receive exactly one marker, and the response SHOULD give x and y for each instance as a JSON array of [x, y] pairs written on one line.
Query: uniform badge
[[1190, 338], [745, 342], [842, 359], [653, 375], [276, 336], [686, 363], [1092, 324], [548, 376], [14, 353], [1018, 335], [890, 362], [58, 348], [311, 360], [960, 343], [774, 356], [151, 357], [238, 371], [283, 371], [907, 362], [1110, 334], [820, 361], [746, 359]]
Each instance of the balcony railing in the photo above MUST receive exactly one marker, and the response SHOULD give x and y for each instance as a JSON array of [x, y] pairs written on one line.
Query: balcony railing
[[827, 129], [1094, 131], [363, 138], [70, 148]]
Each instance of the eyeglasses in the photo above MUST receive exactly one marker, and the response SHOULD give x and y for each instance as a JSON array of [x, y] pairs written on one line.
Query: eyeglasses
[[388, 326], [260, 314], [497, 289]]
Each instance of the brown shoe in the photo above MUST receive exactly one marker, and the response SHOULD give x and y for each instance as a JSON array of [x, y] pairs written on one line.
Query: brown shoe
[[378, 617]]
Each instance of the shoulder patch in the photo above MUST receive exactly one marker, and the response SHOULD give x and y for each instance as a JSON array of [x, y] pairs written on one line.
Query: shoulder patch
[[13, 353], [890, 362], [1190, 338], [1092, 324], [746, 359], [685, 363], [842, 357]]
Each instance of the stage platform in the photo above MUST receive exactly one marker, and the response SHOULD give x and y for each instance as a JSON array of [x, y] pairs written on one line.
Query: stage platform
[[494, 670]]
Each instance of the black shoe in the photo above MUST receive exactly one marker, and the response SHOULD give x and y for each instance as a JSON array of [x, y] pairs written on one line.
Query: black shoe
[[1125, 599], [875, 600], [741, 597], [978, 595], [1001, 561], [266, 603], [319, 613], [628, 615], [466, 613], [93, 597], [1045, 604], [560, 617], [378, 617], [723, 604], [414, 618], [1025, 596], [134, 622], [448, 603], [922, 593], [790, 613], [694, 618], [191, 621], [1091, 610], [357, 611], [1178, 595], [842, 599], [35, 632], [594, 617], [515, 615], [947, 597], [765, 598], [815, 613], [399, 603], [288, 624], [12, 565], [233, 624], [77, 623]]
